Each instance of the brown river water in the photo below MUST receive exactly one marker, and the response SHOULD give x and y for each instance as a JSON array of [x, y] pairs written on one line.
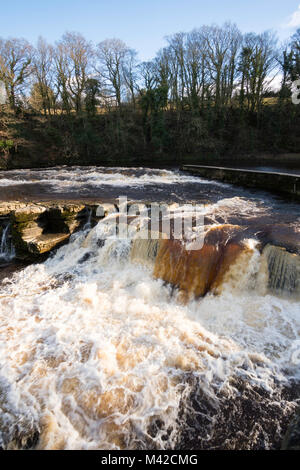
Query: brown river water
[[143, 344]]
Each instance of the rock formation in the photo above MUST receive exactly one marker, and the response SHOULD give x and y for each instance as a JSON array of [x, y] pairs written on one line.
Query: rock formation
[[38, 228]]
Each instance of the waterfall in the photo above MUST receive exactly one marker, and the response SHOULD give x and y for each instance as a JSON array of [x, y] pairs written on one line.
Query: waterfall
[[227, 264], [7, 250], [221, 261], [88, 223], [224, 262], [144, 251], [284, 270], [111, 358]]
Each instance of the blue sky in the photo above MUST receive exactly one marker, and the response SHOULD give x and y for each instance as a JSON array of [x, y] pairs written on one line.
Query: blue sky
[[142, 24]]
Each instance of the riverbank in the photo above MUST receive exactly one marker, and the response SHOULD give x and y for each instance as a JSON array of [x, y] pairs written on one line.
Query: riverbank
[[128, 139], [288, 163]]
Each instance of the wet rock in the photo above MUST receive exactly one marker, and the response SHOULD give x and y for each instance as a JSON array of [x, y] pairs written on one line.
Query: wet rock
[[24, 441], [84, 258], [292, 438], [65, 218], [39, 228], [45, 243], [246, 417], [105, 209], [282, 235], [199, 271], [6, 208]]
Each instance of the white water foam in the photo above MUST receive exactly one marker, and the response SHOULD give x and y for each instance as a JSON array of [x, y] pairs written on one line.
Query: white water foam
[[94, 350], [63, 178]]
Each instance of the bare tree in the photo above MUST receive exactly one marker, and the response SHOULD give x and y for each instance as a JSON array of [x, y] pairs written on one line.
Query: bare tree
[[177, 55], [222, 47], [197, 72], [258, 64], [130, 74], [15, 67], [148, 77], [62, 76], [74, 56], [295, 49], [43, 70], [114, 58]]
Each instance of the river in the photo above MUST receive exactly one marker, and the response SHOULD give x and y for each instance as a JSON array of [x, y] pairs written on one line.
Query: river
[[104, 346]]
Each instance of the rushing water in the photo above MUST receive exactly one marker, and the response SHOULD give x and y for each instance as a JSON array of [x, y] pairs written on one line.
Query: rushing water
[[98, 351], [7, 251]]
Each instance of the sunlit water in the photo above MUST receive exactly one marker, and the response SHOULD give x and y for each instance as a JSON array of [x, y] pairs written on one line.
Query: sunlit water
[[96, 353]]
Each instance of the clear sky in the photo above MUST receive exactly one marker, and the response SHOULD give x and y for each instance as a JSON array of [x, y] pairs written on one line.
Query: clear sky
[[142, 24]]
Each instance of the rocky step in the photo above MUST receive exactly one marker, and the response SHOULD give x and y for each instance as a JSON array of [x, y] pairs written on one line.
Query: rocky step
[[39, 228]]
